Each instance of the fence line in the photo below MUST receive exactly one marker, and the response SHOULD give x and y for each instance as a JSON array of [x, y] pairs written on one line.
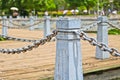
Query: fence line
[[68, 54]]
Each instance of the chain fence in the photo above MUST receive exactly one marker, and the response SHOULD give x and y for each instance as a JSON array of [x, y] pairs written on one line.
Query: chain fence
[[89, 26], [114, 26], [102, 46], [14, 24], [92, 41], [35, 44], [21, 26], [24, 25], [81, 33]]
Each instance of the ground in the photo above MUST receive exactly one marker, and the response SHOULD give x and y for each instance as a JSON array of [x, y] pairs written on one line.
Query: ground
[[39, 63]]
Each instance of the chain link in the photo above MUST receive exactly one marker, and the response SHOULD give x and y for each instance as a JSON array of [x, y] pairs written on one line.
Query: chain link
[[25, 26], [90, 26], [21, 26], [35, 44], [92, 41], [113, 25], [17, 39]]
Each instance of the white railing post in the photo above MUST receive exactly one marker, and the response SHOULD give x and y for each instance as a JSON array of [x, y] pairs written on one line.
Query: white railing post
[[11, 21], [18, 17], [0, 19], [31, 23], [4, 27], [102, 36], [46, 25], [68, 51]]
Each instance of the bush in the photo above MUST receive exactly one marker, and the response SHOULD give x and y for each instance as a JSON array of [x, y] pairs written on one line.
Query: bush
[[114, 32], [2, 39]]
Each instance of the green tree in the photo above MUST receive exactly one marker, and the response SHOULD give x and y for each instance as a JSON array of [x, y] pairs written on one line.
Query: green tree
[[116, 4], [60, 4], [90, 4], [42, 5], [74, 3]]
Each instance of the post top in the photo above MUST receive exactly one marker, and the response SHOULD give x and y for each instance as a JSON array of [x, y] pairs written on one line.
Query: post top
[[102, 18], [47, 17], [68, 23], [4, 17], [67, 18]]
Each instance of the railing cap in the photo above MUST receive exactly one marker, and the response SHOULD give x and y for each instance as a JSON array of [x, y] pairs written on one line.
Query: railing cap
[[102, 18], [68, 23]]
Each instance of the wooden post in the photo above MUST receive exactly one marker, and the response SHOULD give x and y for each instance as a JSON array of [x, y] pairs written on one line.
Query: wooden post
[[102, 36], [4, 28], [68, 51], [47, 26]]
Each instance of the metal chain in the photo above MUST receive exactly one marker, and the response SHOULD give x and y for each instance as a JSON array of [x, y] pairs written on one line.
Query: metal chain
[[83, 36], [25, 26], [11, 27], [113, 25], [30, 47], [90, 26], [17, 39], [102, 46]]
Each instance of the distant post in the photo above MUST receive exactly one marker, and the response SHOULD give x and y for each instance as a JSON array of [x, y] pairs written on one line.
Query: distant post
[[4, 26], [46, 26], [68, 51], [11, 21], [102, 36], [31, 23]]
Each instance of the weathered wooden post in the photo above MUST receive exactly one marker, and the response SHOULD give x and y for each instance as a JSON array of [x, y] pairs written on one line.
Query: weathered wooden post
[[102, 36], [4, 27], [68, 51], [46, 25]]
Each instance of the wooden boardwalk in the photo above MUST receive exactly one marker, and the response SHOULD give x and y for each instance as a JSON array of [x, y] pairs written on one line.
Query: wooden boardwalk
[[39, 63]]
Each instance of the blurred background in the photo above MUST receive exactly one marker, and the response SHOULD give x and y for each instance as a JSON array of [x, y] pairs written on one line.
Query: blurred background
[[57, 7]]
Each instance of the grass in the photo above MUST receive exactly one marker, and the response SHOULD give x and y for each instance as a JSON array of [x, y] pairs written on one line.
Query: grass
[[114, 32], [110, 32], [2, 39]]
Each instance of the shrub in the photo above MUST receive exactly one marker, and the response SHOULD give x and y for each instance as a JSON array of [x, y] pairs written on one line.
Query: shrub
[[114, 32], [2, 39]]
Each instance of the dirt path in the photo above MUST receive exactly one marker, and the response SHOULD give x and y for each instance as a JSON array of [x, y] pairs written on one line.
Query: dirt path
[[39, 62]]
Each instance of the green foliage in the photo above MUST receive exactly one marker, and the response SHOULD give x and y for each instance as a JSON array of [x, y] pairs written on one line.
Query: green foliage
[[114, 32], [52, 5], [60, 13], [2, 39]]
